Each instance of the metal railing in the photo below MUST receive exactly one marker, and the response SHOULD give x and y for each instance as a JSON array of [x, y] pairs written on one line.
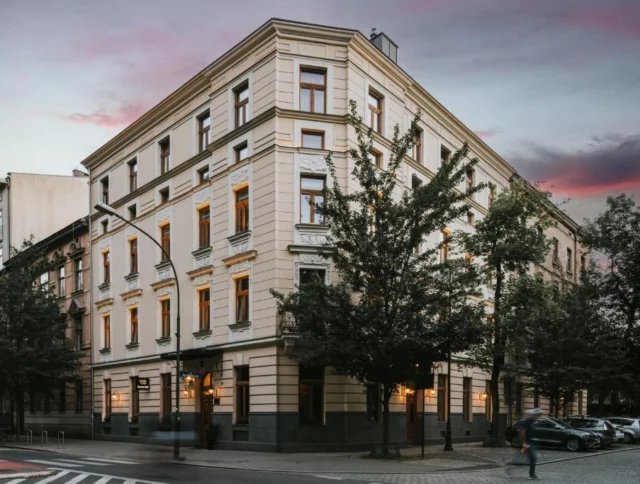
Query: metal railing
[[44, 438], [29, 436]]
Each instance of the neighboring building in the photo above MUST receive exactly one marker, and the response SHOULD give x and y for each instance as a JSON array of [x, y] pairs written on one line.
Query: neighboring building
[[38, 205], [221, 172], [67, 408]]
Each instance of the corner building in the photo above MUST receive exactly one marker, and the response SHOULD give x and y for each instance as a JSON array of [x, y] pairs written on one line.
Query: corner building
[[220, 173]]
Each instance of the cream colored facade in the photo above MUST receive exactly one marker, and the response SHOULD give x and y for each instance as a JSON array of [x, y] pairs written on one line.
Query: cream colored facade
[[271, 253]]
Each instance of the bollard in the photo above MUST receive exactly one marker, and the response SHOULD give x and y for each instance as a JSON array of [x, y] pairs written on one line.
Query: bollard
[[29, 436], [44, 438], [60, 433]]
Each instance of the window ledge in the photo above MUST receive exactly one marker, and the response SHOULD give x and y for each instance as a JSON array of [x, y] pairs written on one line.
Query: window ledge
[[238, 325], [132, 346], [202, 251], [202, 333], [77, 292], [104, 286], [239, 237], [312, 227], [164, 341], [131, 276], [165, 264]]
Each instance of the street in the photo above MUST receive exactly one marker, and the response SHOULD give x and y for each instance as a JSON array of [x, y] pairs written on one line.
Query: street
[[616, 467]]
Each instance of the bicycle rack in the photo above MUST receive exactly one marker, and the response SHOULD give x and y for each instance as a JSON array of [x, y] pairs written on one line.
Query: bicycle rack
[[29, 436], [60, 433], [44, 438]]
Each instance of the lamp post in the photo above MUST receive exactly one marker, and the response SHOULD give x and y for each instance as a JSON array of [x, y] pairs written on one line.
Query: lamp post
[[107, 209]]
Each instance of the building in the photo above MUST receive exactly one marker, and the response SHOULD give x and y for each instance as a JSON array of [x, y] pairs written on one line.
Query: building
[[67, 408], [219, 172], [38, 205]]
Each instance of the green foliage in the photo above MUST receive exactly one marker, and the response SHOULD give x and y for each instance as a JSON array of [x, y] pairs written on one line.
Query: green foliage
[[34, 353], [381, 318]]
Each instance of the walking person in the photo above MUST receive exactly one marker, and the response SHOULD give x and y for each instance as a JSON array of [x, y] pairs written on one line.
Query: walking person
[[528, 447]]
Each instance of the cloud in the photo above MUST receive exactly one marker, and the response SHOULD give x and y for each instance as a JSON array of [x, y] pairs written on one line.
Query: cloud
[[607, 164], [487, 133], [619, 20], [113, 117]]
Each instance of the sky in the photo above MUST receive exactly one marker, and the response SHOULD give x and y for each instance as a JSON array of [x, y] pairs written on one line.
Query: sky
[[552, 86]]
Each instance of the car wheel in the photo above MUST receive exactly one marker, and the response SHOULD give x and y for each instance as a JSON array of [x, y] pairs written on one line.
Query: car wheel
[[628, 439], [515, 442], [572, 444]]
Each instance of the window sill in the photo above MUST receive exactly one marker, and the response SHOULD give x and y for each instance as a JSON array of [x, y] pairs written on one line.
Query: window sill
[[238, 325], [165, 264], [312, 227], [104, 286], [202, 251], [164, 341], [132, 346], [202, 333], [105, 351], [239, 236], [77, 292], [131, 276]]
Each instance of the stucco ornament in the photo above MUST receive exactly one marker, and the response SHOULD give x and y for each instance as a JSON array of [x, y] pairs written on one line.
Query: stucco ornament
[[240, 267], [240, 175], [314, 163], [202, 196]]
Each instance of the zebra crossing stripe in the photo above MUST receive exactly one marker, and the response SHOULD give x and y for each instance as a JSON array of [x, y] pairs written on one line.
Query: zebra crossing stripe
[[81, 462], [53, 477], [77, 479], [109, 461], [53, 464]]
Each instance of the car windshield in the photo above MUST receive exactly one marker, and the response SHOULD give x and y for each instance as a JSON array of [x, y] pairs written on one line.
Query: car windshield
[[564, 425], [584, 424], [622, 421]]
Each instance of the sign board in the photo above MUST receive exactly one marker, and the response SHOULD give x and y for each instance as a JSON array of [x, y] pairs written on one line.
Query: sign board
[[184, 374], [143, 383]]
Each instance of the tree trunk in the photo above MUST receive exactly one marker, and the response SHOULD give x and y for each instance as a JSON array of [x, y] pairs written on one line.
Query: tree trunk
[[448, 442], [498, 360], [385, 418]]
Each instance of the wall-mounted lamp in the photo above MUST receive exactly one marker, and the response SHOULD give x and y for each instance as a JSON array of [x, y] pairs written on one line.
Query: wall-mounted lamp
[[431, 393], [115, 396], [214, 392], [483, 396]]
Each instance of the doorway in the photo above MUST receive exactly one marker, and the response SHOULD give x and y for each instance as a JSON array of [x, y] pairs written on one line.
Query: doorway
[[206, 408], [413, 400]]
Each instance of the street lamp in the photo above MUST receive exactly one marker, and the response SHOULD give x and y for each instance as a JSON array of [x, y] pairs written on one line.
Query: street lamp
[[107, 209]]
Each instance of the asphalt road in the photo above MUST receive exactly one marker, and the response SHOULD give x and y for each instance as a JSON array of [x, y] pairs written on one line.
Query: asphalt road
[[73, 469]]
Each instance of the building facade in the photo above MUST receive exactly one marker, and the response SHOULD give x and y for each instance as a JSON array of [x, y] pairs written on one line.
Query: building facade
[[221, 173], [36, 205]]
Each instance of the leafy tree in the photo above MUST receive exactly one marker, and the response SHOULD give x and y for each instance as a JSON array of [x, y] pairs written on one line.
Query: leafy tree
[[377, 324], [34, 352], [615, 236], [509, 241], [457, 286]]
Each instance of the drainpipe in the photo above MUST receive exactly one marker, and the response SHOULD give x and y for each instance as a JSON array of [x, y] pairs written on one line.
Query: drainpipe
[[91, 344]]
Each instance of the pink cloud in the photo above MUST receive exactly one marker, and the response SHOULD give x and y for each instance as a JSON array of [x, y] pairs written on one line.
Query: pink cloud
[[118, 116], [487, 133], [617, 20]]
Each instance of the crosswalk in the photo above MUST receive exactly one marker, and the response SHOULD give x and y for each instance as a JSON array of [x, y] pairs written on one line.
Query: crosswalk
[[83, 461]]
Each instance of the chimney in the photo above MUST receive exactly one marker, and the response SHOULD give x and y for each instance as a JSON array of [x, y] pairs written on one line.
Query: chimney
[[385, 45]]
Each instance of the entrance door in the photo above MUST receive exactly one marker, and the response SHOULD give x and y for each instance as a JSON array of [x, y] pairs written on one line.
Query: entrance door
[[206, 410], [413, 416]]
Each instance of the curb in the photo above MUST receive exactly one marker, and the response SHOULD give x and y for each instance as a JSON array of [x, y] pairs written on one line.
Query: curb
[[585, 456], [27, 475]]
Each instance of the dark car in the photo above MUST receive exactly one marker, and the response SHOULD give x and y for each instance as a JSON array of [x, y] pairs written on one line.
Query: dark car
[[600, 426], [550, 432]]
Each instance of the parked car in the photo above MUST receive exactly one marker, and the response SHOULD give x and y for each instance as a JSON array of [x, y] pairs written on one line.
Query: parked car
[[551, 432], [605, 430], [629, 426]]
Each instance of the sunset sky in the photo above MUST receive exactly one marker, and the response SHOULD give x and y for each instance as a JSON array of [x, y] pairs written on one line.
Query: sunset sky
[[553, 86]]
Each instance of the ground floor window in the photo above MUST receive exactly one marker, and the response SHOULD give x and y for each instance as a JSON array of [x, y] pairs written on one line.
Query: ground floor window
[[442, 398], [242, 394], [373, 402], [311, 395], [467, 396], [165, 380], [488, 406], [135, 400], [107, 399], [79, 396]]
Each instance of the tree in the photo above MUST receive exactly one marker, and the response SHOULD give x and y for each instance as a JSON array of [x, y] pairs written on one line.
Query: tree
[[615, 236], [377, 324], [457, 284], [34, 352], [509, 241]]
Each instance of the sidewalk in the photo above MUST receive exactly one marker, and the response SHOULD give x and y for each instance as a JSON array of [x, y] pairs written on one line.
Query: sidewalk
[[21, 470], [436, 460]]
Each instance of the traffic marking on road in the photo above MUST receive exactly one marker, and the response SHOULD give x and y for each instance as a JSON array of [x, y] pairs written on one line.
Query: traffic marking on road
[[332, 478], [15, 481], [81, 462], [110, 461], [105, 478], [51, 463], [53, 477]]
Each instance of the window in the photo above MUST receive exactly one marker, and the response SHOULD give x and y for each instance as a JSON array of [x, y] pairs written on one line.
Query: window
[[417, 148], [78, 274], [373, 402], [105, 226], [106, 268], [375, 111], [242, 299], [203, 174], [165, 154], [133, 321], [444, 246], [311, 196], [556, 251], [204, 222], [580, 404], [104, 185], [492, 194], [415, 182], [133, 175], [536, 397], [79, 391], [311, 395], [135, 400], [312, 275], [165, 240], [62, 397], [467, 395], [133, 212], [165, 313], [242, 152], [133, 256], [78, 331], [165, 382], [519, 397], [204, 126], [488, 405], [442, 398], [583, 263], [313, 139], [107, 399], [61, 282], [445, 153], [242, 394], [471, 179], [471, 218], [106, 327], [569, 261], [376, 158], [313, 84], [204, 306], [242, 210], [164, 195], [242, 104]]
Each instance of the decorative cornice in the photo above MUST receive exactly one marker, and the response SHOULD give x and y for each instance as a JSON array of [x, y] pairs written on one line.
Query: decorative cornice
[[309, 249], [104, 302], [236, 259], [130, 294], [164, 283], [201, 271]]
